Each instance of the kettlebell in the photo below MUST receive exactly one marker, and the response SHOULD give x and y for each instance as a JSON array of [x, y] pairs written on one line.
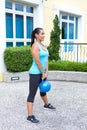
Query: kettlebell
[[44, 86]]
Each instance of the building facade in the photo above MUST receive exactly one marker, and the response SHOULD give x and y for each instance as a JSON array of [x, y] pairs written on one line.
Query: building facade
[[19, 17], [17, 20], [72, 18]]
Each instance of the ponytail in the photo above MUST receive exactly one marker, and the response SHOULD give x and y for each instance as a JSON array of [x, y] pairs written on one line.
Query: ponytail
[[35, 31], [32, 37]]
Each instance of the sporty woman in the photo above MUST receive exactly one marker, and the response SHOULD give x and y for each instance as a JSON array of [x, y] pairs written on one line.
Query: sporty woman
[[37, 72]]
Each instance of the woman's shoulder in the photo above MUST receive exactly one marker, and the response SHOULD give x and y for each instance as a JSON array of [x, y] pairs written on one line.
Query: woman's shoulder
[[35, 47]]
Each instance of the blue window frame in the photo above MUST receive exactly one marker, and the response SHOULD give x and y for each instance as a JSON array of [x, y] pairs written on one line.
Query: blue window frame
[[65, 46], [71, 31], [70, 47], [28, 43], [9, 25], [9, 44], [69, 25], [29, 9], [19, 7], [64, 30], [71, 18], [19, 43], [29, 26], [15, 23], [8, 5], [19, 26], [64, 16]]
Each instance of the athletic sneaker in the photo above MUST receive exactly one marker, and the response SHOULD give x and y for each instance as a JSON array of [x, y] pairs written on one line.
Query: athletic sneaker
[[32, 119], [49, 106]]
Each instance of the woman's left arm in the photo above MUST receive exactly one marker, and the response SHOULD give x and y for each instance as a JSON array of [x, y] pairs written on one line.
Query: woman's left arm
[[46, 70]]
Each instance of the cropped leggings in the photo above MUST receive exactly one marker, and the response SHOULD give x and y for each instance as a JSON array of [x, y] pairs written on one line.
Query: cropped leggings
[[34, 81]]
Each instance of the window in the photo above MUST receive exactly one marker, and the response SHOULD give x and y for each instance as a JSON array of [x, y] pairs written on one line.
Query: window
[[9, 44], [29, 26], [19, 7], [64, 30], [68, 47], [69, 26], [19, 24], [8, 5], [19, 44], [9, 25], [71, 31], [29, 9]]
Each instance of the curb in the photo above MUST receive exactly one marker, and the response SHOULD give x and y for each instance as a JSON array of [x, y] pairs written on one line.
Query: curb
[[68, 76], [52, 76]]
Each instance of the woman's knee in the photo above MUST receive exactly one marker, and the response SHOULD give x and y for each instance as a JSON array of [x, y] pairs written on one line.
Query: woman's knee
[[30, 99], [42, 94]]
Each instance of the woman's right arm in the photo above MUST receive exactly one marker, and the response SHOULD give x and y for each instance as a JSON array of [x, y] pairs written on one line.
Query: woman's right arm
[[35, 53]]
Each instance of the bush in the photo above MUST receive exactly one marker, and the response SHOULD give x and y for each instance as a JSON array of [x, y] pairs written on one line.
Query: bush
[[17, 59], [68, 66]]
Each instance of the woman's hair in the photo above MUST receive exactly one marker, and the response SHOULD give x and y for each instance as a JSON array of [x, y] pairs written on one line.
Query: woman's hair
[[35, 31]]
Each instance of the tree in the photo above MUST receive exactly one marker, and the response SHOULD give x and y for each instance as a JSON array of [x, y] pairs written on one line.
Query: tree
[[54, 46]]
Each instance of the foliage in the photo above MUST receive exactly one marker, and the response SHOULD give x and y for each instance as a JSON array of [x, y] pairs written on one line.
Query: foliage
[[54, 41], [68, 66], [17, 59]]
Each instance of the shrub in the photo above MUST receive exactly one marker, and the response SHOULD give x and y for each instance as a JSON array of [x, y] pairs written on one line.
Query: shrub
[[54, 45], [68, 66], [17, 59]]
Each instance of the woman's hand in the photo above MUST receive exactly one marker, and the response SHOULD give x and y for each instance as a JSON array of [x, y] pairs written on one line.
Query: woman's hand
[[44, 76]]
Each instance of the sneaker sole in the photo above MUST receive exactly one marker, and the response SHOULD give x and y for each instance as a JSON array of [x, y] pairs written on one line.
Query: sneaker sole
[[49, 109], [33, 122]]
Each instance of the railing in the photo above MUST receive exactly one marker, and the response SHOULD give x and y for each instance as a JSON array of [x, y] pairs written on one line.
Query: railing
[[73, 52]]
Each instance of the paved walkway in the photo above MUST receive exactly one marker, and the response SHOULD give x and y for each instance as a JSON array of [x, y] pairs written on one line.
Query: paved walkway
[[70, 99]]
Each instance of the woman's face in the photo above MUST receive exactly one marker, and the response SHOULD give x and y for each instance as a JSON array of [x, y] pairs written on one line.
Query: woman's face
[[40, 36]]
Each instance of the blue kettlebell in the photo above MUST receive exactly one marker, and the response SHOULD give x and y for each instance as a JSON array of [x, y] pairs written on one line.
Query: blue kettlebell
[[44, 86]]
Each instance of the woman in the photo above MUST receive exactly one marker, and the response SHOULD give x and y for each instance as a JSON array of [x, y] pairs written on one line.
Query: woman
[[37, 72]]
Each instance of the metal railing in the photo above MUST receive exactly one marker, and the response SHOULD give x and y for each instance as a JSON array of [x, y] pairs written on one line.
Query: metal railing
[[73, 52]]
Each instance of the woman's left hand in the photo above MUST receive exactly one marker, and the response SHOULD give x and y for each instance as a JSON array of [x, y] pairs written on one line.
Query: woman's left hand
[[44, 76]]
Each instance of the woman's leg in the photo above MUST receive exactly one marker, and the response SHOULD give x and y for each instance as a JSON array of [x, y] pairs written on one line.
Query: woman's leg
[[44, 98], [33, 86], [47, 105], [30, 108]]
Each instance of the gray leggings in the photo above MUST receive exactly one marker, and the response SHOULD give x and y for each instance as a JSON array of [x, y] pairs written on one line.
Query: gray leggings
[[34, 81]]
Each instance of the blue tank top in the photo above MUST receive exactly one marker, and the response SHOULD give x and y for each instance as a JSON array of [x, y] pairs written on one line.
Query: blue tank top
[[43, 59]]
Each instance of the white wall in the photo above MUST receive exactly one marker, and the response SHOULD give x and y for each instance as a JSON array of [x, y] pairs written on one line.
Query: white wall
[[2, 34], [38, 16]]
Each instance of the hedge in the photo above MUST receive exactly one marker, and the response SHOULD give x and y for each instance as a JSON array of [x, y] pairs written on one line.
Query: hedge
[[68, 66], [17, 59]]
